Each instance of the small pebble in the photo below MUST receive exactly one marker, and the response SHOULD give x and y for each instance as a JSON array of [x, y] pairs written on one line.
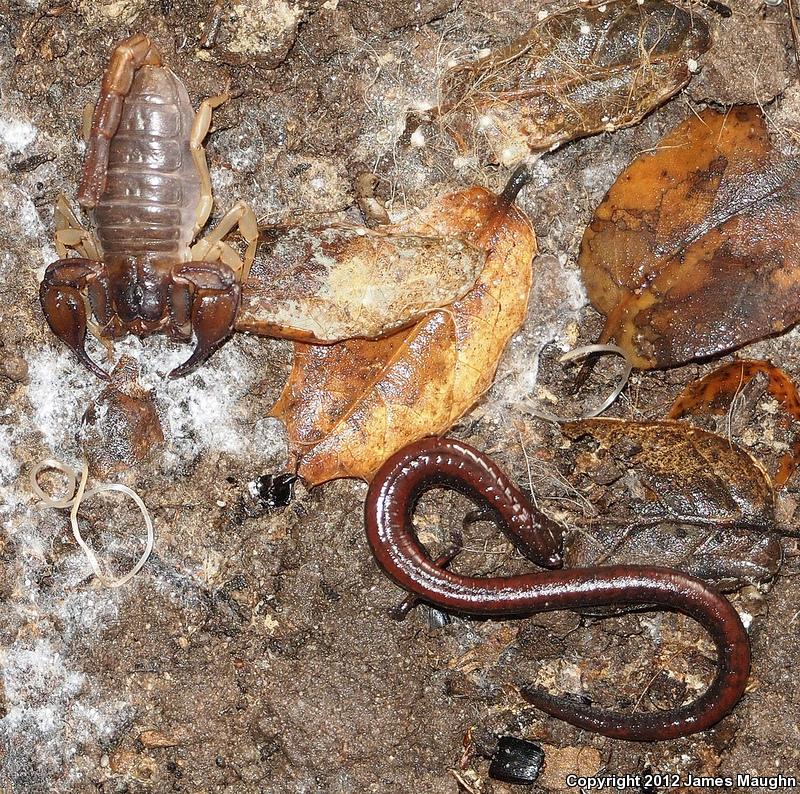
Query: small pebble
[[14, 368], [516, 761]]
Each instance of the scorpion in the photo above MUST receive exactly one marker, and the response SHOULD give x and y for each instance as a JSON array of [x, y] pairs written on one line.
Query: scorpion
[[147, 185], [146, 182]]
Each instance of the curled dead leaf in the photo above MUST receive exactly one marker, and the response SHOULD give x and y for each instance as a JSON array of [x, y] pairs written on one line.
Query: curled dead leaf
[[714, 394], [578, 72], [349, 406], [693, 251], [342, 282], [121, 426]]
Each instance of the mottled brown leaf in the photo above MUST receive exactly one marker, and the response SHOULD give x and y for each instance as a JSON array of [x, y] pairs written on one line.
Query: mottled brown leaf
[[714, 394], [694, 250], [340, 282], [673, 494], [579, 72], [349, 406]]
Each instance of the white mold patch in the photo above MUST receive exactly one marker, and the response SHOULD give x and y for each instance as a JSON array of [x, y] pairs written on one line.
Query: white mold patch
[[201, 412], [60, 390], [16, 135], [47, 699]]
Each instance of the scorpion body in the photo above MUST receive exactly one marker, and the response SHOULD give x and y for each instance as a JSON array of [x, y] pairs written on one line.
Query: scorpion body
[[146, 216], [148, 210], [147, 183]]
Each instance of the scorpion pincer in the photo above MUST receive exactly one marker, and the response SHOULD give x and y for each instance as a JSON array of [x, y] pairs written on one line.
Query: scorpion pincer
[[440, 462], [146, 181]]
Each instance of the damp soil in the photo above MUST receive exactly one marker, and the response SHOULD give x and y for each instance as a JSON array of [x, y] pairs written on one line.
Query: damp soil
[[254, 652]]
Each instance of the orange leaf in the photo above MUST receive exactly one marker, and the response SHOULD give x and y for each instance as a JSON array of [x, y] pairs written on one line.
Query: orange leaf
[[692, 252], [349, 406], [714, 394]]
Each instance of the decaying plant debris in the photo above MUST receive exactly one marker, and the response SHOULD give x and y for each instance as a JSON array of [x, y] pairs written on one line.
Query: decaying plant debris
[[590, 69], [669, 492], [253, 653], [337, 283]]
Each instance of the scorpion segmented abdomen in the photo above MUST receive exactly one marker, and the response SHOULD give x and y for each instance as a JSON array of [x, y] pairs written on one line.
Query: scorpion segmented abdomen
[[149, 205]]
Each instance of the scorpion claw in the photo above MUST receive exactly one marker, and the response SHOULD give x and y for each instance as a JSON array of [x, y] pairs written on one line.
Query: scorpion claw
[[213, 313], [65, 310], [89, 364]]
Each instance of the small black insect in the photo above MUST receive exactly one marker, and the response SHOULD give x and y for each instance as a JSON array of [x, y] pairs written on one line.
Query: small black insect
[[275, 491]]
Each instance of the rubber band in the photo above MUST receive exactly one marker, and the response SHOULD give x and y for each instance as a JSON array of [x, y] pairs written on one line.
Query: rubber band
[[46, 499], [74, 502]]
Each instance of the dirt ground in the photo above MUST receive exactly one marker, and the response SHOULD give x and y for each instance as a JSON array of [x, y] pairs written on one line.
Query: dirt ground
[[253, 653]]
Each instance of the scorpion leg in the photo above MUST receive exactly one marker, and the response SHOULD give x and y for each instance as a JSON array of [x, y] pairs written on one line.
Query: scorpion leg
[[128, 56], [61, 294], [71, 234], [202, 123], [206, 293], [212, 248]]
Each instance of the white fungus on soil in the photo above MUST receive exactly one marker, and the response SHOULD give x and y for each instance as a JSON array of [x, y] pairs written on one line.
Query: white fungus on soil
[[16, 135], [200, 412], [54, 710], [48, 700]]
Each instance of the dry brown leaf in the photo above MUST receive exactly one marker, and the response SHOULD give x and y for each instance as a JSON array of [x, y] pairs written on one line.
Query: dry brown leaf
[[349, 406], [684, 474], [121, 426], [582, 71], [340, 282], [714, 394], [694, 250], [674, 493]]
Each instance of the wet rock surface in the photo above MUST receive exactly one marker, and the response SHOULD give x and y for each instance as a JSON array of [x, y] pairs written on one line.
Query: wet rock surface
[[254, 652]]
